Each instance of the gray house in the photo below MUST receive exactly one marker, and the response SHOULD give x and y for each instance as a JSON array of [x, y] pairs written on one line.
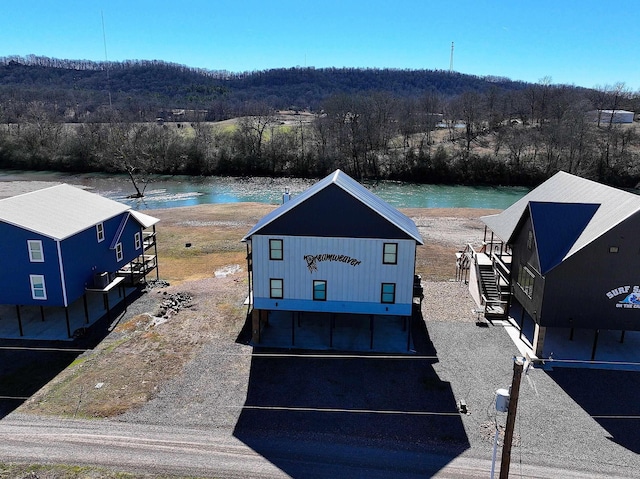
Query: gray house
[[336, 249], [572, 252]]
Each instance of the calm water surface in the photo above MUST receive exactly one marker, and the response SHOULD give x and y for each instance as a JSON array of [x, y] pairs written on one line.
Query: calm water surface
[[174, 191]]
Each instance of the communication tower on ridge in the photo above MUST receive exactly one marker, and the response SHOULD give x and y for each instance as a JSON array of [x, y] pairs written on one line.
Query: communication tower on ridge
[[451, 60]]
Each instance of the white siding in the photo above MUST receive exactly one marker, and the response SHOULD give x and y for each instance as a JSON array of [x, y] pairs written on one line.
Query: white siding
[[345, 282]]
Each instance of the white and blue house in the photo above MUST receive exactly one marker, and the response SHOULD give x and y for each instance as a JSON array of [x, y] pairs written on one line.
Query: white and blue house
[[336, 248], [60, 242]]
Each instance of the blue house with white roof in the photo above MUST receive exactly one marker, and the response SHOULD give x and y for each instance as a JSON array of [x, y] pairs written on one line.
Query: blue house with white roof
[[337, 249], [60, 242]]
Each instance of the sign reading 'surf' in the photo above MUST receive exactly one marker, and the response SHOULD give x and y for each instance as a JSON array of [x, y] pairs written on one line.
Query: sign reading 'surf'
[[631, 299]]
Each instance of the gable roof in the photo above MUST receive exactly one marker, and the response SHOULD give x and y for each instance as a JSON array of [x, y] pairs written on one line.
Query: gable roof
[[60, 211], [553, 243], [348, 186], [614, 206]]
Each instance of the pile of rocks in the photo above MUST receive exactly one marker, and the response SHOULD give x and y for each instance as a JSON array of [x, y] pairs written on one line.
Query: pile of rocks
[[156, 283], [172, 303]]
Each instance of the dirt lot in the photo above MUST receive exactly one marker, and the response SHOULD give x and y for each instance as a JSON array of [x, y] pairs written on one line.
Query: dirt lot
[[145, 351]]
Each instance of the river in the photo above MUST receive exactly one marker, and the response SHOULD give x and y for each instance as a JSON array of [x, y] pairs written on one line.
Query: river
[[175, 191]]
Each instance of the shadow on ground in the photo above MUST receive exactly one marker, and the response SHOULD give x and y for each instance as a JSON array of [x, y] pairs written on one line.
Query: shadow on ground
[[347, 407], [609, 396], [27, 365]]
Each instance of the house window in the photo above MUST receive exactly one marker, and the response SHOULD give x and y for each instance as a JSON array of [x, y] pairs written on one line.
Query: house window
[[119, 255], [319, 290], [526, 280], [38, 289], [530, 240], [100, 232], [276, 288], [390, 253], [275, 249], [36, 255], [388, 294], [137, 241]]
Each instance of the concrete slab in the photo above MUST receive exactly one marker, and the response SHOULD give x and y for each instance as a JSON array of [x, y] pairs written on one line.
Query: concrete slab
[[351, 332], [561, 351], [54, 325]]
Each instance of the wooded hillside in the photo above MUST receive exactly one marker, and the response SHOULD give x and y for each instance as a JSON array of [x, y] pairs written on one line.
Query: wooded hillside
[[412, 125]]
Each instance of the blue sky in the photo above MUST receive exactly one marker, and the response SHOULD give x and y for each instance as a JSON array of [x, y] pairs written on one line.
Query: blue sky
[[581, 42]]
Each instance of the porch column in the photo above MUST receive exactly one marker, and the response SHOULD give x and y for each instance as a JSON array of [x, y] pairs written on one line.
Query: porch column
[[538, 339], [19, 319], [371, 330], [66, 315], [293, 328], [86, 308], [255, 322]]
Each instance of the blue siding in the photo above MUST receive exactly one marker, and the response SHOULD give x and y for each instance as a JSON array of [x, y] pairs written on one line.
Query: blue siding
[[15, 268], [332, 306], [83, 256]]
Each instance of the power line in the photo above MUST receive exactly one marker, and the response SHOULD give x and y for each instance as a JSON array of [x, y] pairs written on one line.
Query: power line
[[253, 355], [342, 410], [586, 361], [24, 348]]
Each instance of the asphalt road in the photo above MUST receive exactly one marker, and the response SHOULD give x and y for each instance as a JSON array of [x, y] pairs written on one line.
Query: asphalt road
[[216, 453]]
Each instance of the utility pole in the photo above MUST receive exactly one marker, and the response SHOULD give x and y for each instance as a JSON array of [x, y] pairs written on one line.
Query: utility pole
[[518, 364]]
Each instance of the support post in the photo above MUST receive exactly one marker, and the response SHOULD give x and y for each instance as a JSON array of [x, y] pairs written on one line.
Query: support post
[[331, 322], [410, 323], [19, 319], [505, 462], [595, 345], [256, 325], [42, 313], [521, 320], [155, 251], [293, 328], [66, 315], [86, 308], [371, 331], [538, 339], [622, 337], [106, 305]]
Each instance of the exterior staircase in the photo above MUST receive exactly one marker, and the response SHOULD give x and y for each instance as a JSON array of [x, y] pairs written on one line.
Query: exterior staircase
[[491, 293], [489, 277]]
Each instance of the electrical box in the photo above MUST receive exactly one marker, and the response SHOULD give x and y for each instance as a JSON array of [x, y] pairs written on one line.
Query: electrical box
[[502, 400]]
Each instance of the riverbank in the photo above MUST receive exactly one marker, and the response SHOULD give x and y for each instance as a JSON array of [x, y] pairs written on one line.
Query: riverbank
[[167, 191]]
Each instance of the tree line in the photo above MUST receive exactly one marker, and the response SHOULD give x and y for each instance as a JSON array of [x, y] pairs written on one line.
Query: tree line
[[489, 135]]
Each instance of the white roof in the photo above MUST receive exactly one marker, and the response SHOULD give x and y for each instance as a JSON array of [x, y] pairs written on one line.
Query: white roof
[[61, 211], [145, 221], [356, 190], [615, 206]]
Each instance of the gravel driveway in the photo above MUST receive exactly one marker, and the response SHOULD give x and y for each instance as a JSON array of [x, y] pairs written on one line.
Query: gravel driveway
[[226, 388]]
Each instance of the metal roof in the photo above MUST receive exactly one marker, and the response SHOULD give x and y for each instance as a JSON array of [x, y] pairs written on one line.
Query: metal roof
[[61, 211], [553, 242], [614, 207], [356, 190], [145, 221]]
